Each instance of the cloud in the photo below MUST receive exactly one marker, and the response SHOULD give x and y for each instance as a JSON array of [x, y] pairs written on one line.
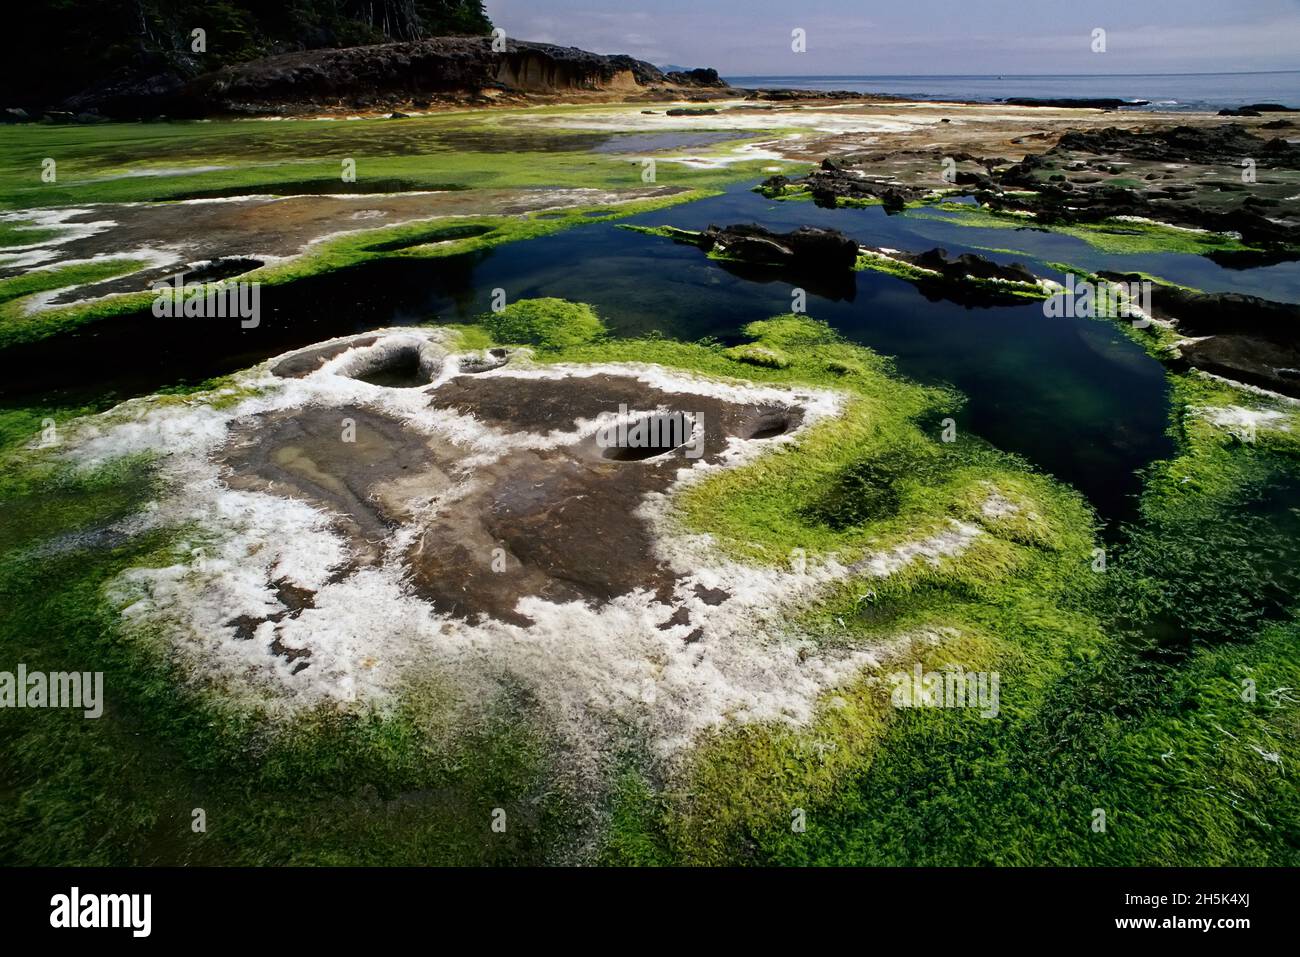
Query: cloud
[[922, 37]]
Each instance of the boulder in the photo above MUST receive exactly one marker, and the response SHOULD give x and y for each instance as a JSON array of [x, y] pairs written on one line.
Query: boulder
[[809, 247], [968, 266], [701, 77]]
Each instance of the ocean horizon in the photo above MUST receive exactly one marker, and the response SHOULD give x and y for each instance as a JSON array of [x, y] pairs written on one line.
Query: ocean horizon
[[1161, 91]]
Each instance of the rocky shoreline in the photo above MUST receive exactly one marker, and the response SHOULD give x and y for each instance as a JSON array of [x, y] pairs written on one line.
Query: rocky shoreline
[[421, 74], [413, 75]]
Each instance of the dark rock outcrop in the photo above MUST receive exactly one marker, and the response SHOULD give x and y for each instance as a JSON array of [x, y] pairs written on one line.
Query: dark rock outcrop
[[786, 95], [1083, 157], [964, 279], [150, 86], [842, 178], [1080, 103], [1190, 176], [1225, 144], [1244, 338], [388, 74], [968, 266], [700, 77], [1253, 360], [1218, 313], [808, 248], [1251, 258]]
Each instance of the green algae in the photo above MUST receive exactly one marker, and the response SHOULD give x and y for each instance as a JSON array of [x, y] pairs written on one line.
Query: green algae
[[1082, 647], [421, 239], [113, 163], [891, 266], [1116, 236], [1081, 710], [329, 789], [791, 192], [1138, 686], [545, 323], [665, 232], [461, 150], [23, 232], [1092, 277], [875, 477]]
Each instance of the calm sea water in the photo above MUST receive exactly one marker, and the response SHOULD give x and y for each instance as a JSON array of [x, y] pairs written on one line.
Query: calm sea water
[[1181, 91]]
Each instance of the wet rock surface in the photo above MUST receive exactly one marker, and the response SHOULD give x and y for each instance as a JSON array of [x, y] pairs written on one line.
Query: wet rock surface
[[1074, 103], [1243, 338], [968, 266], [968, 279], [1256, 361], [1225, 178], [369, 484], [808, 248], [307, 361], [553, 516], [220, 238], [564, 516]]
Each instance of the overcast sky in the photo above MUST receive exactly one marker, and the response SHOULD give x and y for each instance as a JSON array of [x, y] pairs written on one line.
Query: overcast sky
[[741, 37]]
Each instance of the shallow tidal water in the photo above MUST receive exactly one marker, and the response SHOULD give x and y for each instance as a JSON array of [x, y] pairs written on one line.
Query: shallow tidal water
[[1075, 397]]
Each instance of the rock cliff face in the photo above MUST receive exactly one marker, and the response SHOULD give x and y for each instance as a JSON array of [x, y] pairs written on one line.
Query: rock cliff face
[[396, 73]]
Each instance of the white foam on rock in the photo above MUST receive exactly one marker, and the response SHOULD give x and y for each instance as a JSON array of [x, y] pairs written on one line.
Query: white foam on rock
[[368, 634], [1239, 417], [149, 257], [43, 219]]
